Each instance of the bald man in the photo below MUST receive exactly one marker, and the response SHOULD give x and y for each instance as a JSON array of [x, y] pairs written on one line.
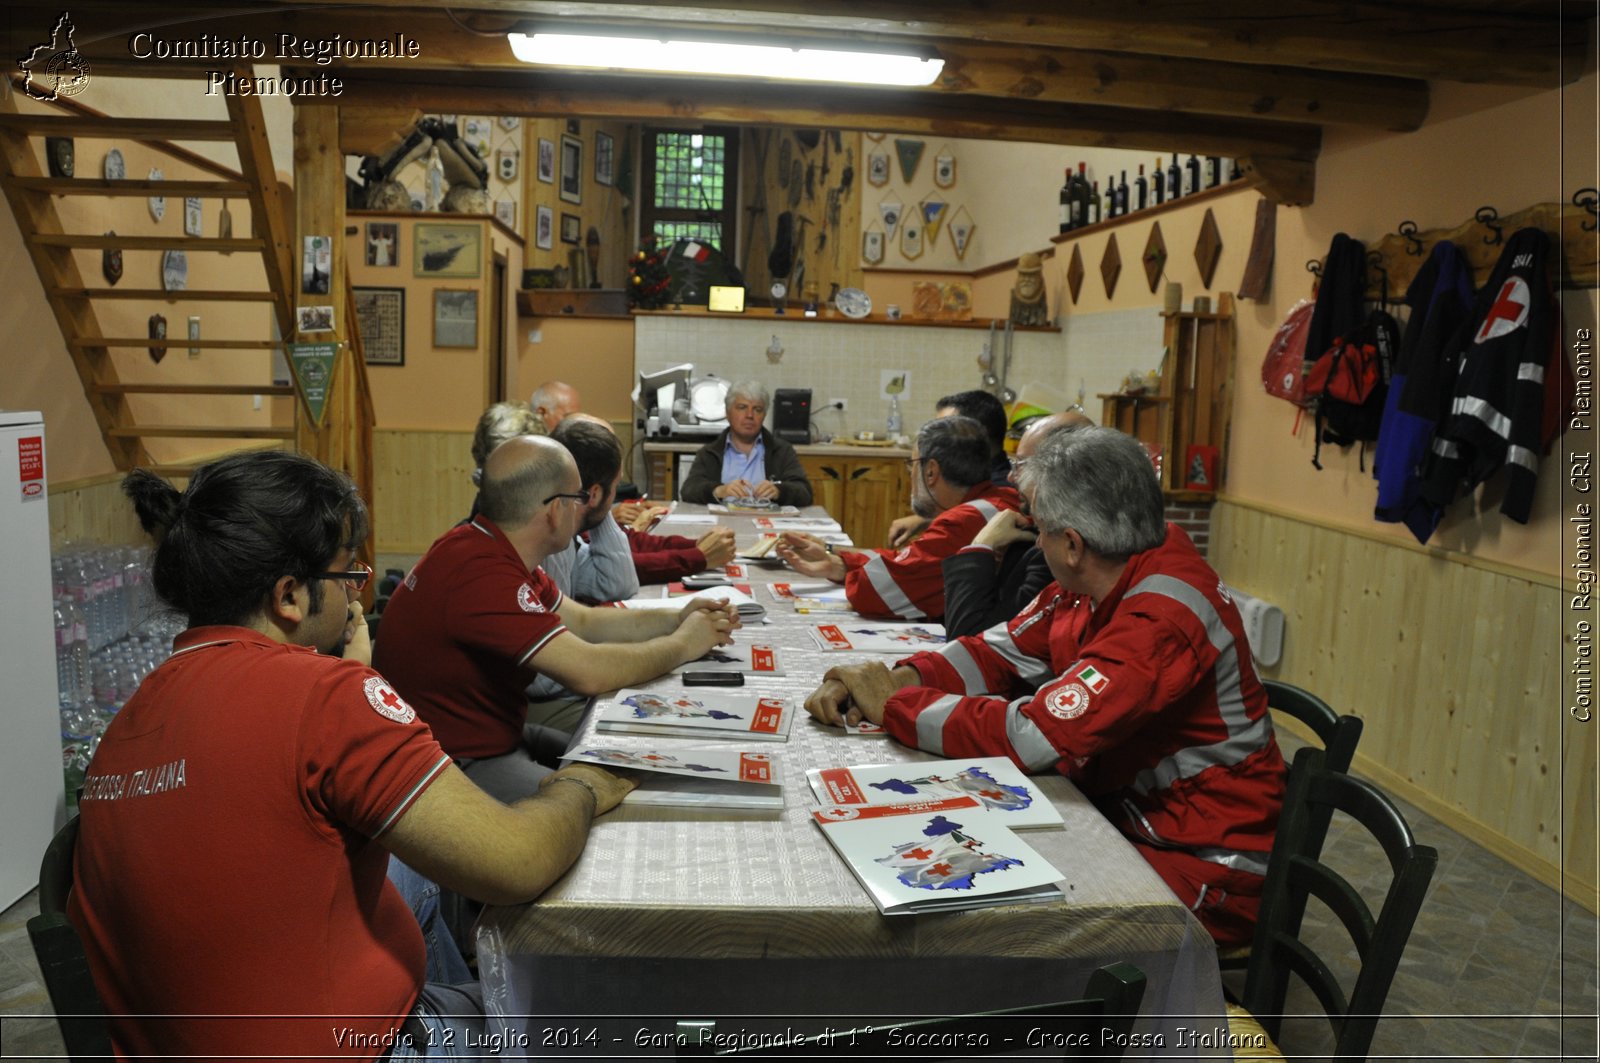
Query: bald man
[[476, 620], [554, 402], [993, 579]]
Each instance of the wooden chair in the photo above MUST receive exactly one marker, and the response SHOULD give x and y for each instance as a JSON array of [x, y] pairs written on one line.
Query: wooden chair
[[1297, 872], [1338, 734], [1105, 1016], [80, 1013]]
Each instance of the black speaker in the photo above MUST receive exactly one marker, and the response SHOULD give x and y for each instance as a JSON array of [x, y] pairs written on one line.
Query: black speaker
[[791, 415]]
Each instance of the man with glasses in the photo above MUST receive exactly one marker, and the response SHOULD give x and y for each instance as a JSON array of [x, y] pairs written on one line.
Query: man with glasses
[[1143, 691], [989, 581], [238, 818], [950, 485], [477, 619]]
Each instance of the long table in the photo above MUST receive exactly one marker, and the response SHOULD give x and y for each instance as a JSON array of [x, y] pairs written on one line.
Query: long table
[[677, 913]]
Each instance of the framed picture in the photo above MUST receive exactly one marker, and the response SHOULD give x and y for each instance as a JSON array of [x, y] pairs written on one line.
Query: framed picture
[[604, 159], [547, 161], [455, 317], [314, 318], [447, 250], [316, 263], [381, 317], [544, 228], [383, 243], [571, 169], [571, 228]]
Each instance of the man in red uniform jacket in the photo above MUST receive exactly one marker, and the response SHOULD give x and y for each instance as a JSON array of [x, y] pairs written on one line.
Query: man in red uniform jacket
[[949, 484], [1130, 674]]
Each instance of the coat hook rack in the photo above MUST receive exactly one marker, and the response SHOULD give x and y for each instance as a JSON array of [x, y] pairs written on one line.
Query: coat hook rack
[[1408, 229], [1587, 198], [1314, 267], [1375, 263], [1489, 218]]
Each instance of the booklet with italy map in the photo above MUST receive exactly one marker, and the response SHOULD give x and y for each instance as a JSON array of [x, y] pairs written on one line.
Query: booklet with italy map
[[877, 638], [815, 525], [711, 777], [994, 782], [751, 658], [698, 714], [936, 856]]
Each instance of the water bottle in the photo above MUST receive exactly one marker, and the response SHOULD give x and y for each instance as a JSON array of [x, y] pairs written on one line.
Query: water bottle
[[894, 416]]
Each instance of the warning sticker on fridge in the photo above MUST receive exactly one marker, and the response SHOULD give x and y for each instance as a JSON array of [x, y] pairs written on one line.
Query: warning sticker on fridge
[[30, 467]]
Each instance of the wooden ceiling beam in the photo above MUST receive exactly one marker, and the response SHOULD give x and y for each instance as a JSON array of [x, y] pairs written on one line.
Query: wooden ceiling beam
[[973, 68]]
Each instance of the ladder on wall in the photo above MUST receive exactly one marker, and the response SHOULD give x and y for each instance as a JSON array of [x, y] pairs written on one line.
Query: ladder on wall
[[126, 423]]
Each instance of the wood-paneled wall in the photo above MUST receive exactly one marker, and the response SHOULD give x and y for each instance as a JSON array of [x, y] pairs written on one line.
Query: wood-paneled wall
[[93, 511], [421, 486], [1456, 669]]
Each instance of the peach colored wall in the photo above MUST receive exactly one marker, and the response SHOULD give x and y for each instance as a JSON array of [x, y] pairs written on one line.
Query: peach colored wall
[[594, 355]]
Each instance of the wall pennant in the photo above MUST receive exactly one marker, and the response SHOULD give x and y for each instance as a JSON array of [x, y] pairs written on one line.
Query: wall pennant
[[158, 204], [872, 246], [891, 210], [158, 331], [193, 216], [507, 162], [111, 263], [932, 211], [878, 169], [944, 168], [911, 238], [961, 227], [225, 224], [909, 153]]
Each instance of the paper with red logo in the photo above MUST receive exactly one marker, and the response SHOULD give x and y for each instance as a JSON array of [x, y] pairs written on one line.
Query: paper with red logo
[[30, 467], [816, 589], [995, 783], [688, 777], [751, 658], [697, 713], [748, 608], [677, 590], [801, 524], [936, 856], [877, 638]]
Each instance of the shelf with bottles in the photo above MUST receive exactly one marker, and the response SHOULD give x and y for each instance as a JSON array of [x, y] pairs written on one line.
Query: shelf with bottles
[[1098, 222]]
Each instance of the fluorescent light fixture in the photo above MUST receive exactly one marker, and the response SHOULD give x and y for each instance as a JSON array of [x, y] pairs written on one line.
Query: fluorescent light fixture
[[725, 58]]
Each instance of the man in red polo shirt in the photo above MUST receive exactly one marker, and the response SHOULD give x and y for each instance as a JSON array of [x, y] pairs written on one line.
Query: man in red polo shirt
[[950, 484], [1130, 674], [476, 620], [239, 815]]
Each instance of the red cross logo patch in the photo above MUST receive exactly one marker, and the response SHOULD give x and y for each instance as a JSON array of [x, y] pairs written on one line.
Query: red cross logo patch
[[1067, 702], [839, 813], [1509, 312], [527, 600], [389, 704]]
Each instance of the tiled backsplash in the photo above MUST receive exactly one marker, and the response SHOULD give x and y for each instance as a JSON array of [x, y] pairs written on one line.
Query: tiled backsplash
[[846, 361]]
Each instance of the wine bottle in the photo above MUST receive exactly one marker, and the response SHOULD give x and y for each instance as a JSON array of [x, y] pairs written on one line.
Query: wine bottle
[[1191, 175], [1081, 196], [1158, 184], [1233, 170], [1094, 205], [1108, 206], [1213, 171], [1065, 217], [1174, 178], [1122, 194], [1141, 190]]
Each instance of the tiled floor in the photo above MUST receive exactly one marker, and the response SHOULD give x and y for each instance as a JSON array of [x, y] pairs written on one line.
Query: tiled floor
[[1495, 961]]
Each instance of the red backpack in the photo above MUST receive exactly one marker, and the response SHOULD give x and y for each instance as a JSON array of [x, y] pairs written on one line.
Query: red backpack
[[1283, 371], [1348, 383]]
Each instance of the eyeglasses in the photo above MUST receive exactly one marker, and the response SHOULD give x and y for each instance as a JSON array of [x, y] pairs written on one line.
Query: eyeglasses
[[565, 494], [912, 463], [356, 578]]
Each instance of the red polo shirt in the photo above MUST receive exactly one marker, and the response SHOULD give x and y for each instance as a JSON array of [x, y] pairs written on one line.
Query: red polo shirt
[[227, 872], [458, 637]]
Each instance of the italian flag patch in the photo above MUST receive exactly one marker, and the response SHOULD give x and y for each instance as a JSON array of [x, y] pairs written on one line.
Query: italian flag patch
[[1092, 679]]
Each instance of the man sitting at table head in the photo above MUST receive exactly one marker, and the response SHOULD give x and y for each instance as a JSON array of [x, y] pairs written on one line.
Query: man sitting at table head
[[746, 460], [950, 486], [1131, 675], [554, 402], [239, 816], [476, 619]]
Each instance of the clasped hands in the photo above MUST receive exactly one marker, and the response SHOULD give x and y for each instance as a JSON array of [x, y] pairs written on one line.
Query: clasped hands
[[745, 489], [708, 622], [851, 693]]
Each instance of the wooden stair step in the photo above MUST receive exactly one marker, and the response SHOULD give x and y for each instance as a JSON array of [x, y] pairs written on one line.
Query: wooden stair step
[[192, 294], [141, 187], [83, 344], [53, 125], [147, 243], [194, 389], [190, 431]]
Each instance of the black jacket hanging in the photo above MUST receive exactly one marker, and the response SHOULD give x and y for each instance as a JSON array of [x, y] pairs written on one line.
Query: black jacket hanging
[[1339, 310]]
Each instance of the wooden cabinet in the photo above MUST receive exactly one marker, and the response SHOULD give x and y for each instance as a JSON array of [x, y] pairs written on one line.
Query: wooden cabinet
[[863, 494]]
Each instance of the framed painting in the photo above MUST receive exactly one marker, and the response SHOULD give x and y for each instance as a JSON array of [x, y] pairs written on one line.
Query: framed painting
[[447, 250], [455, 317], [571, 169], [604, 159], [547, 161], [381, 317], [544, 228], [383, 240], [571, 228]]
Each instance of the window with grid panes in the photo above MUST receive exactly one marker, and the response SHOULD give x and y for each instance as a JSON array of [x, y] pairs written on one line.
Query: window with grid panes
[[690, 186]]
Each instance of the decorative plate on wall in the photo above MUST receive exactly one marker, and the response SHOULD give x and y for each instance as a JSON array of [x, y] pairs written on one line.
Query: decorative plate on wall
[[114, 168], [853, 303], [158, 204]]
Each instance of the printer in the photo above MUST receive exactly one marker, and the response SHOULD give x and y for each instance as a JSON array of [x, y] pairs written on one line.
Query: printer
[[676, 402]]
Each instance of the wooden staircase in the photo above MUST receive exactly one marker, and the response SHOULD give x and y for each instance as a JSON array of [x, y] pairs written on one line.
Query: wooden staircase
[[74, 302]]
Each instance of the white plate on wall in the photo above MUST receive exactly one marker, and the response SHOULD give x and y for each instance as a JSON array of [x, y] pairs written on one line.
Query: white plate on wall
[[853, 303]]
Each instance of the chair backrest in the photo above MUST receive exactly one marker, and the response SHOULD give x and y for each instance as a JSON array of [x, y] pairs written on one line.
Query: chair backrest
[[1297, 871], [1104, 1016], [80, 1013], [1338, 734]]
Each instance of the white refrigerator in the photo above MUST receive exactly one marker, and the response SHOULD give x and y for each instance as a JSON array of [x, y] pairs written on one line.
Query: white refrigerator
[[32, 794]]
